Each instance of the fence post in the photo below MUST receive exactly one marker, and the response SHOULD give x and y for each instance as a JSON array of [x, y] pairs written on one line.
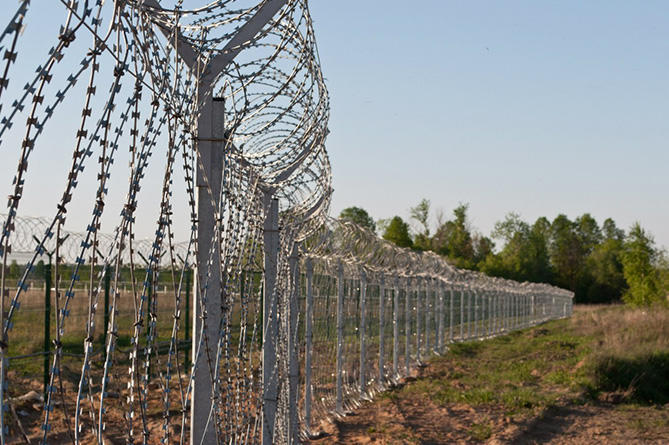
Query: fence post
[[428, 310], [382, 297], [270, 376], [407, 328], [477, 302], [47, 324], [533, 315], [440, 321], [363, 312], [308, 347], [461, 291], [418, 320], [396, 327], [451, 293], [106, 308], [293, 364], [187, 320], [340, 339]]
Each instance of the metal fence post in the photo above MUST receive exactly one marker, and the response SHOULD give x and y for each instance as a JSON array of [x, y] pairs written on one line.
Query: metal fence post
[[211, 136], [440, 322], [407, 328], [470, 294], [340, 339], [270, 376], [418, 320], [476, 312], [187, 319], [461, 291], [451, 293], [47, 324], [308, 333], [293, 364], [382, 323], [428, 311], [363, 312], [396, 327]]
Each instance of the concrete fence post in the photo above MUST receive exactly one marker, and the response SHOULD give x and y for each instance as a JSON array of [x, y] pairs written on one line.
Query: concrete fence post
[[339, 404], [396, 327], [293, 362], [270, 317], [308, 333], [363, 321], [382, 328], [407, 328]]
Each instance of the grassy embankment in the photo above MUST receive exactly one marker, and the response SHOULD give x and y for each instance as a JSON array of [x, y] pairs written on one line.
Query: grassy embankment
[[613, 357]]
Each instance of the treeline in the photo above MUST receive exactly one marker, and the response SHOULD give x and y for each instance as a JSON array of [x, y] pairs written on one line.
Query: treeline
[[599, 263]]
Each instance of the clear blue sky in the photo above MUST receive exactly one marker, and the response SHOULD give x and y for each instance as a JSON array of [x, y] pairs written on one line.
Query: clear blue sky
[[534, 107], [537, 107]]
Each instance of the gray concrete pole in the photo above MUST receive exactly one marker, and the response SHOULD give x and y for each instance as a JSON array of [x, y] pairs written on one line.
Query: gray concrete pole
[[451, 293], [340, 340], [418, 320], [428, 312], [477, 302], [396, 327], [210, 147], [461, 291], [293, 362], [363, 321], [382, 326], [407, 328], [308, 346], [440, 322], [270, 377]]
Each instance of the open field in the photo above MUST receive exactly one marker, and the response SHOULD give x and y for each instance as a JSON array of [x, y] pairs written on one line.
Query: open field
[[599, 377]]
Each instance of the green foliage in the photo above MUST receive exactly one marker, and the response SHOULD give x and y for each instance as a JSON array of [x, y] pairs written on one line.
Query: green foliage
[[421, 213], [525, 254], [643, 377], [453, 239], [358, 216], [598, 263], [397, 231], [639, 257]]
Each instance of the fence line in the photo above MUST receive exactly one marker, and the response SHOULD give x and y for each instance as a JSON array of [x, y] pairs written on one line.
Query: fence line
[[397, 298]]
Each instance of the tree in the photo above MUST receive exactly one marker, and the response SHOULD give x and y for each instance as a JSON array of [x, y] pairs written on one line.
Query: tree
[[421, 213], [567, 254], [358, 216], [453, 239], [639, 257], [525, 253], [397, 231], [605, 267]]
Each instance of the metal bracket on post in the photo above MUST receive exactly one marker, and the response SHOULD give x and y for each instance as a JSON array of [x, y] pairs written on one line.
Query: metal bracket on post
[[339, 408], [293, 363], [270, 378], [308, 347], [396, 327], [363, 321]]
